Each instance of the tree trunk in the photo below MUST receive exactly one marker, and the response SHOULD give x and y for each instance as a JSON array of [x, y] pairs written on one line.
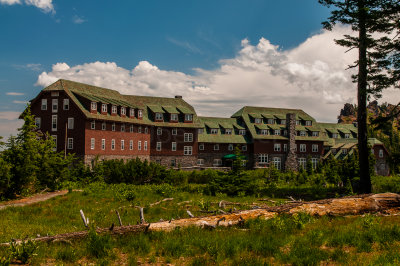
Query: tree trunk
[[365, 178]]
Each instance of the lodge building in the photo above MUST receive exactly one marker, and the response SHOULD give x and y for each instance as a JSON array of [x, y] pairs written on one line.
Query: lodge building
[[92, 122]]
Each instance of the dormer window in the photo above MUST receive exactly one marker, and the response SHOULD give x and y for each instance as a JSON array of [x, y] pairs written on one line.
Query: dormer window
[[297, 122], [308, 123], [174, 117], [277, 132], [140, 113], [257, 120], [270, 121], [132, 112], [283, 121], [334, 135], [228, 131], [347, 136], [264, 131], [104, 108], [344, 151], [214, 131], [242, 132], [114, 109], [93, 106], [303, 133], [315, 133], [188, 117], [159, 116], [123, 111]]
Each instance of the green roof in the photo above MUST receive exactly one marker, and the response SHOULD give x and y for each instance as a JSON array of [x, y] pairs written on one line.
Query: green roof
[[171, 109], [156, 109], [261, 126], [185, 110], [255, 115], [214, 122]]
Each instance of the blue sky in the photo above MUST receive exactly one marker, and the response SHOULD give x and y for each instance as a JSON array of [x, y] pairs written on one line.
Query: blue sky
[[159, 47]]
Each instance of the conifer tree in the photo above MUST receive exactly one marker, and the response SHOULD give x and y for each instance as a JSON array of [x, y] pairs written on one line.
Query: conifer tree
[[378, 27]]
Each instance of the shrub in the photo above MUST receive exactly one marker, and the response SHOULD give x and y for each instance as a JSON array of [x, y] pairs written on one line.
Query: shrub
[[98, 246]]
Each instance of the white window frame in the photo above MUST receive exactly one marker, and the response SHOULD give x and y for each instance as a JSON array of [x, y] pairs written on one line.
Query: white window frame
[[44, 105], [113, 127], [263, 158], [66, 104], [346, 135], [201, 147], [103, 144], [140, 113], [139, 145], [131, 128], [92, 143], [303, 133], [70, 123], [216, 147], [123, 111], [214, 131], [277, 147], [114, 109], [217, 162], [131, 112], [200, 161], [158, 146], [104, 108], [93, 124], [334, 135], [271, 121], [122, 144], [122, 127], [257, 120], [315, 133], [283, 121], [303, 163], [314, 162], [277, 163], [174, 131], [188, 117], [303, 147], [314, 148], [308, 123], [264, 132], [230, 147], [242, 132], [174, 117], [200, 131], [277, 132], [93, 106], [113, 144], [228, 131], [54, 105], [54, 123], [70, 143], [159, 131], [140, 129], [188, 137], [381, 153], [187, 150], [173, 146], [131, 145], [38, 122], [159, 116], [145, 145]]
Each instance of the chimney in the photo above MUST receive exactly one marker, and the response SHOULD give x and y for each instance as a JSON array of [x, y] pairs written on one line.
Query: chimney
[[291, 158], [178, 96]]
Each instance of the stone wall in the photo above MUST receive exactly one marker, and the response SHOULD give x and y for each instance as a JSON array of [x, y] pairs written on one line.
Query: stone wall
[[179, 161], [89, 159], [291, 158]]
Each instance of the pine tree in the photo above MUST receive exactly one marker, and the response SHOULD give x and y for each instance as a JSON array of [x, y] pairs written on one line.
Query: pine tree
[[378, 58]]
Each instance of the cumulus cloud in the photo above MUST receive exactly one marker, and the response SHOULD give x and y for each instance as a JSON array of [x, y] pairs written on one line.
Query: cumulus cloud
[[11, 93], [44, 5], [311, 77]]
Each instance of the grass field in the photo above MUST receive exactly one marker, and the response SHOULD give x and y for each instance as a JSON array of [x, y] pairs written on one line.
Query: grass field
[[297, 240]]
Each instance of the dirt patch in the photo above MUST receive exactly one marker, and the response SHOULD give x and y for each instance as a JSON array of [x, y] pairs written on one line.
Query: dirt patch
[[33, 199]]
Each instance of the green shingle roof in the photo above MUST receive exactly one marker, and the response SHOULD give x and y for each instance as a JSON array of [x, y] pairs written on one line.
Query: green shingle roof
[[156, 108], [171, 109], [216, 122]]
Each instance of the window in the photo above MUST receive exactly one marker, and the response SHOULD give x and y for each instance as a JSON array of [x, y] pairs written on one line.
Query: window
[[277, 147], [104, 108], [113, 109], [264, 131], [188, 117], [285, 132], [55, 94], [139, 145], [344, 151], [158, 146], [131, 145], [146, 130], [103, 144], [257, 120], [187, 150], [173, 148], [334, 135], [44, 104], [70, 123], [37, 122], [216, 147], [201, 146], [244, 148], [131, 128], [132, 112], [70, 143], [200, 161], [346, 136], [214, 131], [145, 146], [113, 144], [315, 148], [315, 133], [54, 104], [284, 147], [173, 163], [230, 147], [277, 132], [159, 116], [200, 130], [263, 158], [92, 143], [140, 113], [123, 111], [314, 162], [298, 122], [113, 127], [270, 121], [277, 162], [308, 123], [380, 153], [55, 142], [303, 163], [174, 117], [159, 131], [228, 131], [303, 133], [66, 104], [302, 147], [122, 144], [93, 125], [242, 132], [93, 106], [140, 129], [174, 131], [188, 137], [54, 123], [123, 128], [217, 162], [103, 126], [283, 121]]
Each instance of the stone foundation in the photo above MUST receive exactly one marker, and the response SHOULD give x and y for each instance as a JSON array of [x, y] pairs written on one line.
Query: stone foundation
[[179, 161], [89, 159]]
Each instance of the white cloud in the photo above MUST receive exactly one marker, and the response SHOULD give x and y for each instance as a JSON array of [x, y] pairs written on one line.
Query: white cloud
[[45, 5], [20, 102], [11, 93], [9, 115], [31, 66], [78, 20], [311, 77]]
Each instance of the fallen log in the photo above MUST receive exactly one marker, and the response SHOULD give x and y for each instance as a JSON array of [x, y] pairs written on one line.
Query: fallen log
[[386, 203]]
